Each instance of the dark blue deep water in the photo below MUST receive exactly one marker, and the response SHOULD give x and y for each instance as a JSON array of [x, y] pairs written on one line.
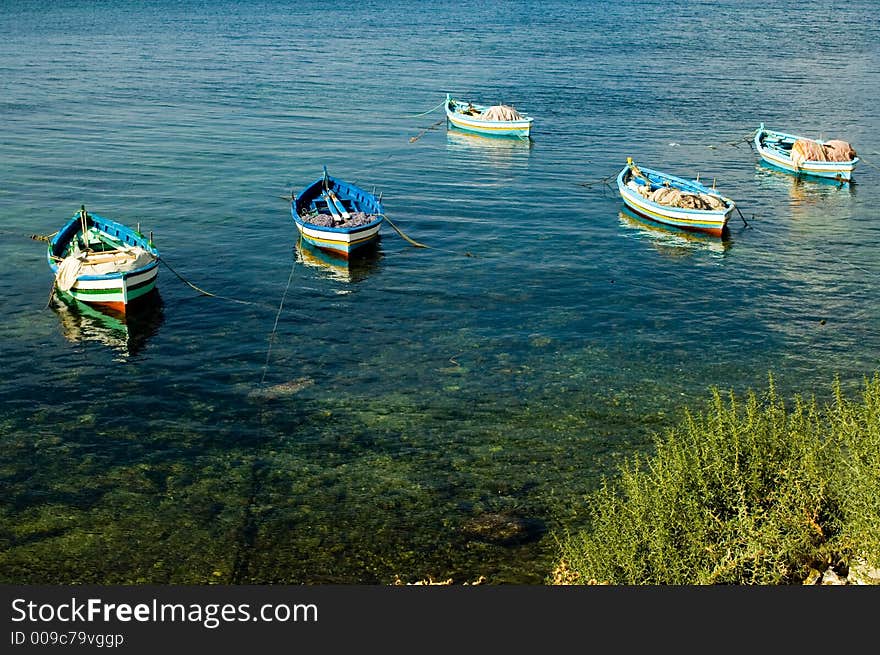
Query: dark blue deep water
[[433, 412]]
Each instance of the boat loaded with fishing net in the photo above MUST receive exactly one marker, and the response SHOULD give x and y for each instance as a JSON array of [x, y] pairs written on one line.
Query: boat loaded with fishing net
[[684, 204], [497, 120], [337, 216], [833, 159], [99, 261]]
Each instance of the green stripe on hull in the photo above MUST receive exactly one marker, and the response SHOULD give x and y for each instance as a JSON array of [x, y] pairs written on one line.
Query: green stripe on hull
[[140, 291], [77, 292], [105, 295]]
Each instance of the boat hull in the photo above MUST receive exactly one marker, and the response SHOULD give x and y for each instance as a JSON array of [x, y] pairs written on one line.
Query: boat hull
[[114, 289], [777, 158], [343, 242], [518, 128], [339, 240], [703, 221]]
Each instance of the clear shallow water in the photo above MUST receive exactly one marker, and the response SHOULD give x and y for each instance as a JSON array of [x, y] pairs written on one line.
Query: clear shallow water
[[433, 413]]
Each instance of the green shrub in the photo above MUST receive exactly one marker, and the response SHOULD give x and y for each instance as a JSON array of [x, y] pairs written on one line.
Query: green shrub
[[741, 494]]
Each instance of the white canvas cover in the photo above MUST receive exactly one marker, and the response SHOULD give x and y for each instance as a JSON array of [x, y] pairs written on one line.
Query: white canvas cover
[[99, 263], [68, 271]]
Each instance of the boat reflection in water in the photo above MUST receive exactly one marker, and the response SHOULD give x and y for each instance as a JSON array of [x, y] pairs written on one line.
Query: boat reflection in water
[[126, 333], [819, 203], [801, 188], [670, 240], [499, 151], [352, 270]]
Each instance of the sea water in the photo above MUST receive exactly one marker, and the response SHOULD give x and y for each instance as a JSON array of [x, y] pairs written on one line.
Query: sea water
[[435, 412]]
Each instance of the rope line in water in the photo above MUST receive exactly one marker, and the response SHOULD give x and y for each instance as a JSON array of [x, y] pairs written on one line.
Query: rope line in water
[[400, 232], [604, 180], [426, 130], [421, 245], [277, 317], [248, 529], [199, 289], [748, 138], [424, 113], [817, 251], [867, 163], [51, 292]]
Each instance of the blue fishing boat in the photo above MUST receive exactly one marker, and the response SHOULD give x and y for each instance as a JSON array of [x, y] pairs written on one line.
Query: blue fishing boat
[[675, 201], [497, 120], [337, 216], [100, 261], [833, 159]]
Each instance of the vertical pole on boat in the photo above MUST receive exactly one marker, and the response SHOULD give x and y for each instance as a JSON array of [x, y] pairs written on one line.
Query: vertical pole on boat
[[83, 223]]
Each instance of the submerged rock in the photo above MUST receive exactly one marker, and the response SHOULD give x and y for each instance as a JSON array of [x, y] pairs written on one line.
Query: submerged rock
[[283, 389], [503, 528]]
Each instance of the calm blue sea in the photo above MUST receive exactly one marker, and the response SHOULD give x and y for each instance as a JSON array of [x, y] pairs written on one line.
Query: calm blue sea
[[436, 412]]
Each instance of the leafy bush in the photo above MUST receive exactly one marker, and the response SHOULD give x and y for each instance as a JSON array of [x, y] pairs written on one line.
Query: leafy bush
[[757, 493]]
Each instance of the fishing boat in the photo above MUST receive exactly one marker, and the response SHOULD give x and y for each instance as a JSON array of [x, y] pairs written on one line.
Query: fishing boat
[[497, 120], [337, 216], [833, 159], [99, 261], [675, 201]]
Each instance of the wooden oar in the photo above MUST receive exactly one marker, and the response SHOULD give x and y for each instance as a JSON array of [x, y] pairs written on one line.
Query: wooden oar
[[331, 206], [338, 203]]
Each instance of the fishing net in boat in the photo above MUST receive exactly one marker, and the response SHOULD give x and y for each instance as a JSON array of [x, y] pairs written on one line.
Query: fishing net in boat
[[501, 113], [809, 150], [838, 150], [355, 219], [670, 197]]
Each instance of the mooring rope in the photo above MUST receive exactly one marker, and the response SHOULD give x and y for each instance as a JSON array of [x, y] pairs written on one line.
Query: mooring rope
[[200, 290], [248, 529], [818, 251], [606, 181], [418, 136], [277, 317], [400, 232], [748, 138], [427, 112], [421, 245], [864, 161], [52, 292]]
